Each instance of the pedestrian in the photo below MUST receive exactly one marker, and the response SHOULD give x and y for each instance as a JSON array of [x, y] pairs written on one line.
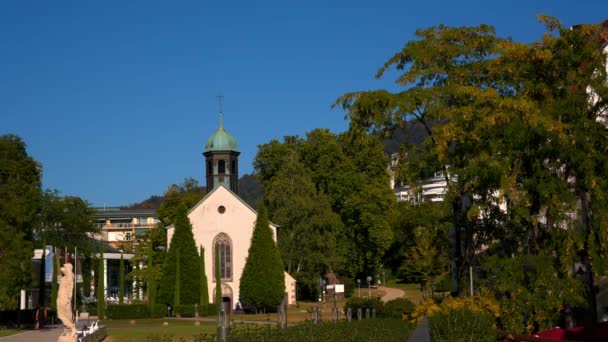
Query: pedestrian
[[44, 316], [37, 317]]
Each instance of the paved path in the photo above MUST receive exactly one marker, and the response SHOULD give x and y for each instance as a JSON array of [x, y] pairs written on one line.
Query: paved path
[[50, 334], [421, 334], [391, 293]]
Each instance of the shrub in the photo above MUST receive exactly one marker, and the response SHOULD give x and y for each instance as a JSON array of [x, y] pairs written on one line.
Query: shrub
[[211, 310], [127, 311], [459, 319], [398, 307], [184, 310], [364, 330], [158, 310], [355, 303]]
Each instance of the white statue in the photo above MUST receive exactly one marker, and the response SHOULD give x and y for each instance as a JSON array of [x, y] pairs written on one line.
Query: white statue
[[64, 304]]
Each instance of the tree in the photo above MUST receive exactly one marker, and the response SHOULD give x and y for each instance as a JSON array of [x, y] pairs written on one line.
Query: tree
[[54, 284], [218, 278], [204, 296], [512, 121], [121, 289], [182, 243], [20, 187], [67, 221], [15, 255], [187, 194], [101, 291], [262, 282], [152, 283], [178, 283]]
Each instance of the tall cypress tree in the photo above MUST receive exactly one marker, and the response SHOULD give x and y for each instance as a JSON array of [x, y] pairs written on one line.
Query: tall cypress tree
[[182, 240], [178, 284], [218, 277], [151, 281], [263, 282], [204, 296], [101, 293], [121, 289], [54, 285]]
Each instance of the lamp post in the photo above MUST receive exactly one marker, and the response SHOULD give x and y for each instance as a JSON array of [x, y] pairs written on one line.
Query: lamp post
[[369, 286], [359, 286]]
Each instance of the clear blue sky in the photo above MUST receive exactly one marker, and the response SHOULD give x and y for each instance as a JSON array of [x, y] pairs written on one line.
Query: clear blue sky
[[117, 98]]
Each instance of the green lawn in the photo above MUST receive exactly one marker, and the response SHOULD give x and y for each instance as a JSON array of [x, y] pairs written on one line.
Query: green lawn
[[412, 291], [178, 329], [8, 332]]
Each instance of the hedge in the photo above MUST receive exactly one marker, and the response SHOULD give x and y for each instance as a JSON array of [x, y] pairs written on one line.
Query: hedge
[[398, 307], [133, 311]]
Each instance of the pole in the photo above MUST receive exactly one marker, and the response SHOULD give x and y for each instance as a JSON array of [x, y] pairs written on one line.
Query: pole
[[471, 278]]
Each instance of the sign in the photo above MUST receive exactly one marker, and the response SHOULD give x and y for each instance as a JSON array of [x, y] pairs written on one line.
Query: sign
[[339, 288], [329, 287]]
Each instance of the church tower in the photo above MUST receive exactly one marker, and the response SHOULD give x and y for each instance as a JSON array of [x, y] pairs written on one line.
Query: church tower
[[221, 159]]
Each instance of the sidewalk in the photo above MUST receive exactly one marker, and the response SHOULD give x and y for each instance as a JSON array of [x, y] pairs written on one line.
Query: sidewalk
[[421, 334], [48, 334]]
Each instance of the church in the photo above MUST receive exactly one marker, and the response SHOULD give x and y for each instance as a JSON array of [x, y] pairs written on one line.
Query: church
[[223, 219]]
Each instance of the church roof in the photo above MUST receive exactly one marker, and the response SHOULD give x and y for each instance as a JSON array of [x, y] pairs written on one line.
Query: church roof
[[221, 140], [232, 193]]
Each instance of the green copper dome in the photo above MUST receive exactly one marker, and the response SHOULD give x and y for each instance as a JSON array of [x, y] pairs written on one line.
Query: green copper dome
[[221, 140]]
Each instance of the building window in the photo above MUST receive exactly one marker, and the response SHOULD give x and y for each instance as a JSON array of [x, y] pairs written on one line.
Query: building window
[[210, 167], [224, 244], [221, 209], [233, 168], [221, 166]]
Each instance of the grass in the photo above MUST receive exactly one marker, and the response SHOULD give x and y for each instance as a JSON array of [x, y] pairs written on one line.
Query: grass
[[8, 332], [412, 291], [121, 330]]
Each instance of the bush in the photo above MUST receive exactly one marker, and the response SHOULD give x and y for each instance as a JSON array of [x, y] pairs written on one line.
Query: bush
[[211, 310], [398, 307], [158, 311], [355, 303], [184, 310], [127, 311], [459, 319]]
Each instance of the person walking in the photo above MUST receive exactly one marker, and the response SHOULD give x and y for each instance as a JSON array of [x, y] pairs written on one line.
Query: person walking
[[37, 317]]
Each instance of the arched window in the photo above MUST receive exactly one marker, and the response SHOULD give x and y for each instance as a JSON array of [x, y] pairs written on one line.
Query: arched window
[[221, 166], [223, 242]]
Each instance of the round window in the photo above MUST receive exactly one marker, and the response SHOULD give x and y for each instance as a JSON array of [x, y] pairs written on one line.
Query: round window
[[221, 209]]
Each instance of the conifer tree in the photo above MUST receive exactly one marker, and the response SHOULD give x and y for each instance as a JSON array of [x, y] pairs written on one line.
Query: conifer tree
[[182, 240], [204, 296], [177, 281], [218, 277], [262, 282], [151, 282], [54, 287], [121, 289], [101, 293]]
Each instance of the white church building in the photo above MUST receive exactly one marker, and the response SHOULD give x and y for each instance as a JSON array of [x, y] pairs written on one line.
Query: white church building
[[223, 219]]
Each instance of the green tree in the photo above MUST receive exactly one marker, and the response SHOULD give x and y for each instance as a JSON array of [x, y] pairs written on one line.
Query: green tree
[[20, 187], [121, 289], [262, 282], [187, 194], [101, 291], [204, 296], [152, 282], [218, 278], [68, 222], [178, 283], [183, 243], [513, 122], [54, 284], [16, 253]]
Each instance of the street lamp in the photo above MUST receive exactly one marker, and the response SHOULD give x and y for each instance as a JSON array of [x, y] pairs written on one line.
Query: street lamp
[[369, 286], [359, 286]]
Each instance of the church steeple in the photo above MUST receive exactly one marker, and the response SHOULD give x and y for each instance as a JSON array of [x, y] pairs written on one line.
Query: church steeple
[[221, 158]]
